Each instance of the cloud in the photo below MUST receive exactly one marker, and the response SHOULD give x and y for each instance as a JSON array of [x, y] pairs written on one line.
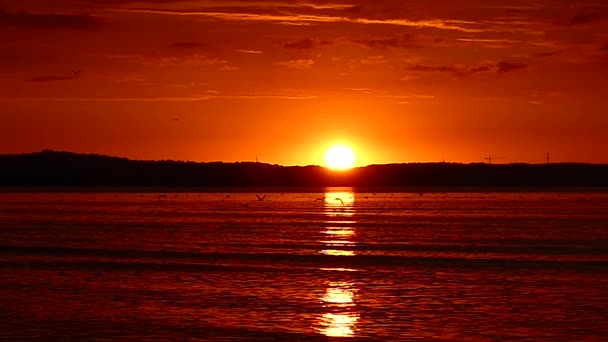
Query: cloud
[[373, 60], [406, 41], [195, 59], [585, 17], [50, 78], [433, 68], [474, 70], [188, 45], [227, 67], [301, 44], [368, 91], [457, 71], [254, 52], [196, 98], [407, 97], [548, 54], [505, 43], [287, 17], [48, 20], [507, 66], [402, 98], [298, 64], [215, 4], [481, 68]]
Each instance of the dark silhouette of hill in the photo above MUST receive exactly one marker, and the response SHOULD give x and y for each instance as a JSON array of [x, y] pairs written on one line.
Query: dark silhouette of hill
[[50, 168]]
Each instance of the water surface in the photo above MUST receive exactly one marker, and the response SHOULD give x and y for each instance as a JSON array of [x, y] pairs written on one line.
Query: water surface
[[304, 266]]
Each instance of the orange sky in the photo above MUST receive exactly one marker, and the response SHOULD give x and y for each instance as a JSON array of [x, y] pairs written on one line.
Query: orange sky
[[223, 80]]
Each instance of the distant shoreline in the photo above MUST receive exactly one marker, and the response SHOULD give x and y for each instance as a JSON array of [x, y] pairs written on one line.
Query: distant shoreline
[[66, 171], [278, 190]]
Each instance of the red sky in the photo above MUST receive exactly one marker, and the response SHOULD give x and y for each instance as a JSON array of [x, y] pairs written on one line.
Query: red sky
[[399, 81]]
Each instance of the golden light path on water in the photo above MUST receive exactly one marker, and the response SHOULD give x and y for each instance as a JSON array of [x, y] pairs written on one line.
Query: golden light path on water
[[339, 209], [341, 316]]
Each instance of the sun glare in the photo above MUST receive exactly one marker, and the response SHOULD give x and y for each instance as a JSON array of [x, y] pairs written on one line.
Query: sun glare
[[340, 157]]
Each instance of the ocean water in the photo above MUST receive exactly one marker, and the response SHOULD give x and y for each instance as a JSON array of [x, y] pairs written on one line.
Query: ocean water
[[304, 266]]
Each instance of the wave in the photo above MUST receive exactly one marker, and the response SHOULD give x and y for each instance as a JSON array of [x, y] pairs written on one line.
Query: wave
[[200, 261], [513, 247]]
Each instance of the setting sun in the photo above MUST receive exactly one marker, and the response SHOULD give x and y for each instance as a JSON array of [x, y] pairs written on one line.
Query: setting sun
[[340, 157]]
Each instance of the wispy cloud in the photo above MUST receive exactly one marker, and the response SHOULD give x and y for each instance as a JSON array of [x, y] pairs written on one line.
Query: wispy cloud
[[507, 66], [379, 93], [207, 96], [408, 98], [255, 52], [586, 17], [300, 44], [506, 43], [368, 91], [49, 20], [433, 68], [191, 59], [406, 41], [457, 71], [317, 5], [373, 60], [548, 54], [50, 78], [298, 64], [458, 25], [188, 45], [481, 68], [276, 97]]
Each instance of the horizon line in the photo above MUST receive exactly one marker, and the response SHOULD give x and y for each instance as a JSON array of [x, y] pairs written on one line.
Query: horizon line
[[293, 165]]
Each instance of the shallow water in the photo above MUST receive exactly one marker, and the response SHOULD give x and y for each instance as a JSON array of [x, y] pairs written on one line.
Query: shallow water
[[304, 266]]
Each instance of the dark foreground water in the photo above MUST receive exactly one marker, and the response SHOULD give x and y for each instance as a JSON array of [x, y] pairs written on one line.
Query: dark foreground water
[[304, 266]]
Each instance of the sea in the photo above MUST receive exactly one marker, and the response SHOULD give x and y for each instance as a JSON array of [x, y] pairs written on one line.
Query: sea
[[304, 265]]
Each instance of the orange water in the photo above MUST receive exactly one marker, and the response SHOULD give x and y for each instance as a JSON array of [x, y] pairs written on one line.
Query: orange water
[[304, 266]]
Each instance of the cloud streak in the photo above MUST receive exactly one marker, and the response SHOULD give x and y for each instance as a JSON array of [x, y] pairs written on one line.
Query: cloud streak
[[458, 25], [49, 20], [190, 59], [298, 64], [254, 52], [508, 66], [301, 44], [586, 17], [188, 45], [50, 78], [457, 71], [210, 95], [405, 41]]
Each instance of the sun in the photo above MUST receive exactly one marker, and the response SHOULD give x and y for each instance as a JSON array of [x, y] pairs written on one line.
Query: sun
[[340, 157]]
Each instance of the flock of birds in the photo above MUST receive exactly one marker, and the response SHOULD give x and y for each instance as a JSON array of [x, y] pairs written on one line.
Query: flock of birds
[[261, 198], [444, 195]]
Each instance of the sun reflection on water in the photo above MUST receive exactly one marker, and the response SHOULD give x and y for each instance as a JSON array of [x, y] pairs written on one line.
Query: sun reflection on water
[[337, 252], [339, 208], [341, 316]]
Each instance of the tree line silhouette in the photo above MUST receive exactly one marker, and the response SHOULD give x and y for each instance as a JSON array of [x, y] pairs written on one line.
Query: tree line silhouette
[[51, 168]]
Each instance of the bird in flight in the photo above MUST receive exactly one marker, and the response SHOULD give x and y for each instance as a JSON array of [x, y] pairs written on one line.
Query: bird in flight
[[260, 198]]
